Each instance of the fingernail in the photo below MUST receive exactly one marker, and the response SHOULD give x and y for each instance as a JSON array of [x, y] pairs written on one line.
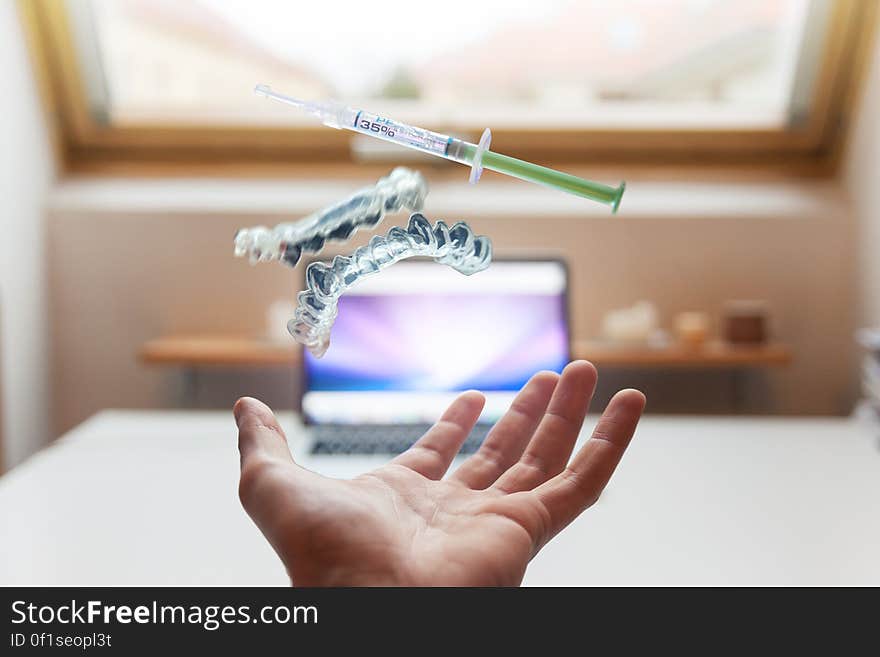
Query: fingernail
[[238, 411]]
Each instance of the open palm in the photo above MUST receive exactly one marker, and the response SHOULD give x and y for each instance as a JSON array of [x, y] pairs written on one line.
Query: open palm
[[404, 524]]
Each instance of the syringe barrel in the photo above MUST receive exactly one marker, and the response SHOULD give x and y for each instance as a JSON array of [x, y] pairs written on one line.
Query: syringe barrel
[[337, 115], [461, 151], [396, 132]]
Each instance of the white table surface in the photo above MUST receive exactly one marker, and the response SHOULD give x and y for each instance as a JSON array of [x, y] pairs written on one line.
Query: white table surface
[[151, 498]]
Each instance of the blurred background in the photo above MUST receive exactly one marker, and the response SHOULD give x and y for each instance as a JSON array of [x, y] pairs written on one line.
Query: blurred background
[[733, 280]]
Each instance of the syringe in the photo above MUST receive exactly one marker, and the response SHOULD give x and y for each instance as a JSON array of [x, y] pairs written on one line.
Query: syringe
[[477, 156]]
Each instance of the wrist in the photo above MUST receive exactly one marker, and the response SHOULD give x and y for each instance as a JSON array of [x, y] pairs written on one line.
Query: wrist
[[347, 577]]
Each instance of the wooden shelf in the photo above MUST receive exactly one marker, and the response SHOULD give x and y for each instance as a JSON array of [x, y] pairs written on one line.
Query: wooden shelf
[[218, 350], [711, 355], [242, 351]]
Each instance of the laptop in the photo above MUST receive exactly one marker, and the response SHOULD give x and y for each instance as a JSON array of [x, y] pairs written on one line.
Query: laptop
[[411, 337]]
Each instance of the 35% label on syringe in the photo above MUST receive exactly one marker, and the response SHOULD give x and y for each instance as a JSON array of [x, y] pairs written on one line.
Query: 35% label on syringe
[[373, 126]]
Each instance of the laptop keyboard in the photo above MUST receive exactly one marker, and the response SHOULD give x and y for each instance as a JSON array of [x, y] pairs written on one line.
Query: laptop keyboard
[[380, 438]]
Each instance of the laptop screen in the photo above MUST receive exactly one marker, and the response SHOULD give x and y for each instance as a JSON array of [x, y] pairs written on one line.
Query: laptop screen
[[407, 339]]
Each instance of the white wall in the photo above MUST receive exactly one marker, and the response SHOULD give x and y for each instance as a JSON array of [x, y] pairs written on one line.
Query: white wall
[[862, 178], [26, 171]]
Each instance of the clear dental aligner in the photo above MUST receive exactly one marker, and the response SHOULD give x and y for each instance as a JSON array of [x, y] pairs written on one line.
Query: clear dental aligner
[[455, 246], [402, 188]]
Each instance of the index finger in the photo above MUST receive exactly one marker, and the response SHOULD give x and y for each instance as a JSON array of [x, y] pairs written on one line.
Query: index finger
[[432, 454]]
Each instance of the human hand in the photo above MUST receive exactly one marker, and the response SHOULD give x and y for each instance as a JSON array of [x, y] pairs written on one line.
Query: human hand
[[403, 524]]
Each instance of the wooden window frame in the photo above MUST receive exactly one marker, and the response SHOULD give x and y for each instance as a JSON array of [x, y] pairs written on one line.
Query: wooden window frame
[[85, 146]]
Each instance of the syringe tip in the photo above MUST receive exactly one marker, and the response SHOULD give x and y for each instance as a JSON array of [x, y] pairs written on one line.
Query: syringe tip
[[266, 91]]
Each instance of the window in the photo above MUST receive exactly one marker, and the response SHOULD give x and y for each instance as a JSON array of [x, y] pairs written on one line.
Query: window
[[575, 79]]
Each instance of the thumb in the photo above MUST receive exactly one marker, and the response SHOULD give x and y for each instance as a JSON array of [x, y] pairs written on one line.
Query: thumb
[[263, 449], [260, 437]]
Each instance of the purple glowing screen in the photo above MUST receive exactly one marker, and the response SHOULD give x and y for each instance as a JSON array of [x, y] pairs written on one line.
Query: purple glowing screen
[[491, 336]]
